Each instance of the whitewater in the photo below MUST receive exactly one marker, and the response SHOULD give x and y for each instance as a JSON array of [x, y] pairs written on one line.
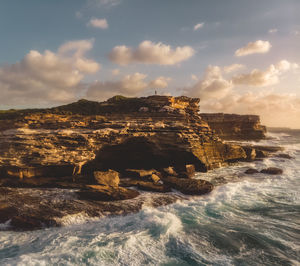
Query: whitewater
[[246, 220]]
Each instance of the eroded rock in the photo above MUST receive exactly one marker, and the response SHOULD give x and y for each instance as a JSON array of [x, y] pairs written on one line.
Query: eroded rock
[[108, 178], [272, 171], [251, 171], [189, 186]]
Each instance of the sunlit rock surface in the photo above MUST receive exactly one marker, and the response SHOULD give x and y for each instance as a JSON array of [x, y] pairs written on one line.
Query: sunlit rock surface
[[139, 133], [235, 127]]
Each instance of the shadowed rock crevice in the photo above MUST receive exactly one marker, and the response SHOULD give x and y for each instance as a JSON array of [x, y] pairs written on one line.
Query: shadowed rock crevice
[[142, 153]]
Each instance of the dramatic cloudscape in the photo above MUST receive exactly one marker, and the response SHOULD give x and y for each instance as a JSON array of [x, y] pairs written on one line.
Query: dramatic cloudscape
[[237, 56]]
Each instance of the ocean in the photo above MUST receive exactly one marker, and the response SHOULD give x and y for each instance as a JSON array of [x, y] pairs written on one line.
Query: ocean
[[246, 220]]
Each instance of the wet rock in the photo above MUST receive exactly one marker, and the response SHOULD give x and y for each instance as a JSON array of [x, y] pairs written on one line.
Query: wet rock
[[284, 155], [261, 154], [251, 171], [108, 178], [250, 152], [107, 193], [189, 186], [272, 171], [24, 222], [6, 212]]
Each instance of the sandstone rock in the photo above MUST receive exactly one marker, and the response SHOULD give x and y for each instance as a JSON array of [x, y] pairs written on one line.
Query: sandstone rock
[[107, 193], [149, 186], [250, 152], [108, 178], [139, 173], [251, 171], [272, 171], [155, 178], [235, 127], [169, 171], [189, 186]]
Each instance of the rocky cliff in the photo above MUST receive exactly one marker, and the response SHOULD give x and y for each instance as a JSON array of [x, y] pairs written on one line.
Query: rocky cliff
[[141, 133], [235, 127], [84, 158]]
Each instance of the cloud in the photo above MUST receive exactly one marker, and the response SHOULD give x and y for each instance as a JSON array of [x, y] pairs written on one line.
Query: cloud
[[48, 77], [219, 94], [258, 47], [198, 26], [129, 85], [194, 77], [151, 53], [98, 23], [265, 78], [233, 68], [275, 109], [273, 31], [212, 85], [160, 82], [115, 72]]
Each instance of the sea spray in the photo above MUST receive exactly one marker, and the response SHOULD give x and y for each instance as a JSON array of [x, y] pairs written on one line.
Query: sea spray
[[251, 220]]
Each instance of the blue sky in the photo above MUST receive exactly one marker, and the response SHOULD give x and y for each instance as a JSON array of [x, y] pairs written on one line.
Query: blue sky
[[161, 48]]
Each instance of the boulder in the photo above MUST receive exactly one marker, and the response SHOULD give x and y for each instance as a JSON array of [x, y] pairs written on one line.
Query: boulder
[[189, 186], [261, 154], [106, 193], [250, 153], [272, 171], [169, 171], [284, 155], [155, 178], [108, 178], [139, 173], [190, 170], [251, 171], [149, 186]]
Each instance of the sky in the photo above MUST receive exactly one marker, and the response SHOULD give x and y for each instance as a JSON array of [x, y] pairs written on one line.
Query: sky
[[237, 56]]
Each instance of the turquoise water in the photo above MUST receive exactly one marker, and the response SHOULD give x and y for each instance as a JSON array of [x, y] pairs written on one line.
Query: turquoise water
[[246, 220]]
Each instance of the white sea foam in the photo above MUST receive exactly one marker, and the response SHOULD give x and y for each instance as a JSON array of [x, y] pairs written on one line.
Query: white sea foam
[[247, 219]]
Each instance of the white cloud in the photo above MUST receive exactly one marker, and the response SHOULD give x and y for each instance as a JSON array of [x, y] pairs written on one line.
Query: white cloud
[[98, 23], [198, 26], [257, 47], [212, 85], [265, 78], [129, 85], [218, 94], [151, 53], [160, 82], [115, 72], [271, 31], [194, 77], [47, 77], [233, 68]]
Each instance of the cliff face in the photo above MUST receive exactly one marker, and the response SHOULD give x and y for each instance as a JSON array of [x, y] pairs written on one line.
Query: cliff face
[[235, 127], [140, 133]]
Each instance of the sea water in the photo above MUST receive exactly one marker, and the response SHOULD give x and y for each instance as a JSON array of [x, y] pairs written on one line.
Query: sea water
[[246, 220]]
